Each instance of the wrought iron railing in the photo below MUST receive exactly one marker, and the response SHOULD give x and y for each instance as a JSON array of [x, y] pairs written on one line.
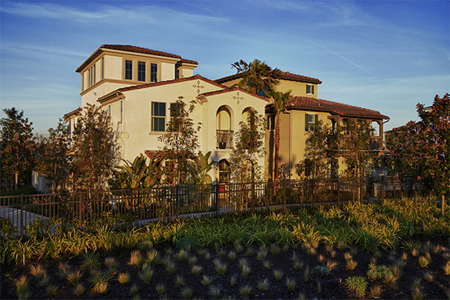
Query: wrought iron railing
[[224, 139], [137, 207]]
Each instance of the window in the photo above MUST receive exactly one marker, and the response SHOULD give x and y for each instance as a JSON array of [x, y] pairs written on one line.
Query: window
[[121, 111], [158, 116], [91, 76], [224, 171], [310, 121], [103, 67], [128, 69], [310, 89], [177, 73], [141, 71], [153, 73]]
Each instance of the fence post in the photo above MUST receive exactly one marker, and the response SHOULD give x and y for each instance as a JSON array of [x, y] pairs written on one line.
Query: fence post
[[338, 192], [21, 215], [216, 197], [79, 209]]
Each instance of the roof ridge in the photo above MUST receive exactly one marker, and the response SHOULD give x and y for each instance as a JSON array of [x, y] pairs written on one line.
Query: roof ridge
[[309, 103], [232, 88], [153, 84], [284, 75]]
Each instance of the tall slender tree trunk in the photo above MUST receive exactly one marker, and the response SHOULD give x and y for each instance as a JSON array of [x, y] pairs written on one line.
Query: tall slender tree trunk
[[277, 144], [443, 205]]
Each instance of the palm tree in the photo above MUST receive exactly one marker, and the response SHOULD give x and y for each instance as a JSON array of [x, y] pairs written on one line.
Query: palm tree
[[257, 76], [279, 100]]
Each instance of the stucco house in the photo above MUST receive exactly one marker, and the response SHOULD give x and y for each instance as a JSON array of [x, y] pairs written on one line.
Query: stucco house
[[137, 86], [302, 111]]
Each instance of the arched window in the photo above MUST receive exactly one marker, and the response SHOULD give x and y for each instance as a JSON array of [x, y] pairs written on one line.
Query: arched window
[[224, 132], [224, 171], [247, 113]]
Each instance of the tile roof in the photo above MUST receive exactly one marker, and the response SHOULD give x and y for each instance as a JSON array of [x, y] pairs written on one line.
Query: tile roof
[[129, 48], [74, 112], [283, 75], [153, 84], [145, 51], [230, 89], [313, 104]]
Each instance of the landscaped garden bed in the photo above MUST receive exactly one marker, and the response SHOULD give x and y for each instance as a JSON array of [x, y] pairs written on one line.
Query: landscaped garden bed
[[391, 249]]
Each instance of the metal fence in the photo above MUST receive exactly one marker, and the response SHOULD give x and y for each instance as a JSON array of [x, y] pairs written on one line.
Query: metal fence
[[137, 207]]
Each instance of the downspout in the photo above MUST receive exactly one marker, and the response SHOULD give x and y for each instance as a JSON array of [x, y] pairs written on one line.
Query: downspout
[[289, 113]]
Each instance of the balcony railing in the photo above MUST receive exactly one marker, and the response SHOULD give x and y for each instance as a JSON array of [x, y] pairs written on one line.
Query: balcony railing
[[224, 139]]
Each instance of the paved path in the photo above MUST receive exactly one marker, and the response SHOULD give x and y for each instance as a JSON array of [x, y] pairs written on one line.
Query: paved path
[[15, 215]]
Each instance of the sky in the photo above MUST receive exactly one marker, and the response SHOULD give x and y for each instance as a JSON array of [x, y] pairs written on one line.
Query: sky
[[381, 55]]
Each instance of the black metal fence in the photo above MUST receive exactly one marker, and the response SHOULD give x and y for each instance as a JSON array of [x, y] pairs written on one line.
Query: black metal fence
[[137, 207]]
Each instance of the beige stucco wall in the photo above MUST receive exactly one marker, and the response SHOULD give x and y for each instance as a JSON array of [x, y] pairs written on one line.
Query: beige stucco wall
[[185, 72], [167, 71], [296, 88], [293, 137], [135, 135]]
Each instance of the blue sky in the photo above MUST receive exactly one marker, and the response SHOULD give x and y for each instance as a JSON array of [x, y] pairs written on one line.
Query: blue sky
[[382, 55]]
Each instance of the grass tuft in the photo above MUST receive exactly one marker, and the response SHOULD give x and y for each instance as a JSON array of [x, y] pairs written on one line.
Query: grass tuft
[[263, 285], [123, 278], [278, 274], [245, 291], [290, 283], [206, 280]]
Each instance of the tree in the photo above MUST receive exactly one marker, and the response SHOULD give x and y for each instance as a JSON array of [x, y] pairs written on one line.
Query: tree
[[249, 148], [354, 146], [324, 146], [424, 146], [138, 174], [434, 133], [94, 149], [257, 77], [53, 159], [279, 100], [322, 149], [180, 143], [261, 79], [16, 147]]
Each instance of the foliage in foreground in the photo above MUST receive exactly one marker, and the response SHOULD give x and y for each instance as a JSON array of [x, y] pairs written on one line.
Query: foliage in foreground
[[372, 226]]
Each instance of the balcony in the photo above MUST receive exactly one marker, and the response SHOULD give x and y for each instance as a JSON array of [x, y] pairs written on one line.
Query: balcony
[[224, 139]]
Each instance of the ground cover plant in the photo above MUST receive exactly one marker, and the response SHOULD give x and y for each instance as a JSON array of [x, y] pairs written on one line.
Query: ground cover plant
[[301, 253]]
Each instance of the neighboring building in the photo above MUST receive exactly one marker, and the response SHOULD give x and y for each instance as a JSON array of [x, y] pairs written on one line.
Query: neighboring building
[[302, 111], [136, 86]]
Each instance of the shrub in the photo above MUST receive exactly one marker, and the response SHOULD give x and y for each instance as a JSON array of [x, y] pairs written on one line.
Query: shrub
[[357, 284]]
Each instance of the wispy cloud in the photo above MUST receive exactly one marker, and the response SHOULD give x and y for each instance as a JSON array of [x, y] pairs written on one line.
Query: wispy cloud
[[105, 13], [333, 13], [30, 50], [49, 10], [340, 56]]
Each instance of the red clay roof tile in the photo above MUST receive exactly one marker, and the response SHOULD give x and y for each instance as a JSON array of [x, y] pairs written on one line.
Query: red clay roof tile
[[283, 75], [313, 104], [230, 89], [142, 86], [130, 48]]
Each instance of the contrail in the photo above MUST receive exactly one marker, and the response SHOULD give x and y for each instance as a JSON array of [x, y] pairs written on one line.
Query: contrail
[[338, 55]]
